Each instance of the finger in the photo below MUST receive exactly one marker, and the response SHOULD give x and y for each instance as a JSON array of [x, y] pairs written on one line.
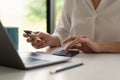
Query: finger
[[77, 47], [36, 32], [32, 40], [42, 44], [72, 44], [29, 40], [68, 39], [25, 35], [38, 36], [38, 44], [42, 35], [35, 45]]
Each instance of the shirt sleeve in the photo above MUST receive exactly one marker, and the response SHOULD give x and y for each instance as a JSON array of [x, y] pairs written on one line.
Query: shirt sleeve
[[62, 30]]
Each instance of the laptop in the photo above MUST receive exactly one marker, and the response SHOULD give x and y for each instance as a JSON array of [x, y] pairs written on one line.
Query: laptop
[[10, 57]]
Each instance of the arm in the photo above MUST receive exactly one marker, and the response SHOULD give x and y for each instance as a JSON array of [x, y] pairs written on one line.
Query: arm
[[110, 47], [88, 46], [54, 41], [63, 28]]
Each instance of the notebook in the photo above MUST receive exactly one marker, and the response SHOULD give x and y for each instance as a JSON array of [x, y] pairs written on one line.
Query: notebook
[[10, 57]]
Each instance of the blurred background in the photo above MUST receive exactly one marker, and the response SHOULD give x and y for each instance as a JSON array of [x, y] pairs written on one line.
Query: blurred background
[[36, 15]]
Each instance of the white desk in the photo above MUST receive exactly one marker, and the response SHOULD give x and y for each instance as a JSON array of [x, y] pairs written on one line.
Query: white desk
[[96, 67]]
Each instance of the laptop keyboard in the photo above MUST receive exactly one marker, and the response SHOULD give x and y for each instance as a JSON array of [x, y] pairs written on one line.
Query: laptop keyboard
[[34, 58], [35, 61]]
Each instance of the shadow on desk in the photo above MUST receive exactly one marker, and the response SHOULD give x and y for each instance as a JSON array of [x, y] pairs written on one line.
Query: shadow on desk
[[16, 74], [11, 74]]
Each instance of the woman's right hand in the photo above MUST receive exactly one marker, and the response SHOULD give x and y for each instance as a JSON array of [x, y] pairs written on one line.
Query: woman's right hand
[[46, 40]]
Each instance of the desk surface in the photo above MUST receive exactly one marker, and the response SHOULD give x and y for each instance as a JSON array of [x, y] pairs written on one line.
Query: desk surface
[[96, 67]]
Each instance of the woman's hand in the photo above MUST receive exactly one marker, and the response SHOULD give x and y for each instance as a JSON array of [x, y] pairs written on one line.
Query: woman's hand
[[82, 43], [46, 40]]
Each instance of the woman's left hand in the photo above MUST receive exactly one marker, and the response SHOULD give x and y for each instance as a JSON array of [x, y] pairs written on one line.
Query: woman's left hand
[[82, 43]]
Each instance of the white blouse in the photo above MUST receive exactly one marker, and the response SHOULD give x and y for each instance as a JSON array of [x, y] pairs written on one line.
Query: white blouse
[[79, 18]]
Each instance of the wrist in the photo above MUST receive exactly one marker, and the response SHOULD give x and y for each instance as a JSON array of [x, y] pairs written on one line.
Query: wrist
[[54, 41]]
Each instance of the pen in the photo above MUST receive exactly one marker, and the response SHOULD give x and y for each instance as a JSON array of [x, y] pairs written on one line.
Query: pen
[[65, 68]]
